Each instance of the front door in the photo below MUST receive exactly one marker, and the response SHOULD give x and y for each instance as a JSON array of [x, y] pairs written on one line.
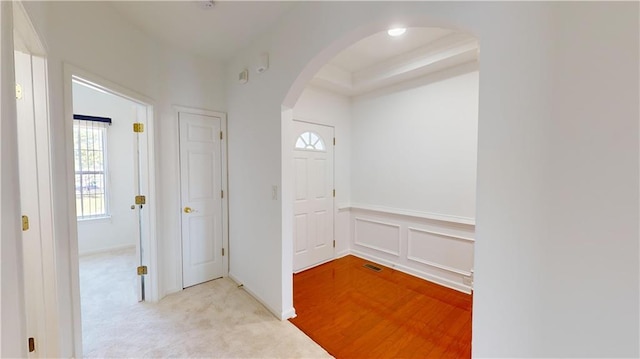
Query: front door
[[201, 197], [313, 197]]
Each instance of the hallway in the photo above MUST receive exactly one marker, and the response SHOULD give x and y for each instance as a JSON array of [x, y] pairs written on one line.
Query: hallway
[[214, 319]]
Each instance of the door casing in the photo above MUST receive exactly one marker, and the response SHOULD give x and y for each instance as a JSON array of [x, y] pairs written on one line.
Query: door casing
[[147, 178], [224, 185]]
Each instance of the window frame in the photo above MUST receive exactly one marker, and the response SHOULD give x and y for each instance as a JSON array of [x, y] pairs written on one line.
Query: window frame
[[308, 145], [95, 123]]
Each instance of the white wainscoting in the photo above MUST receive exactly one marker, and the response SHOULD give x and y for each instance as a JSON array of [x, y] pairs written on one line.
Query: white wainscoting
[[437, 250], [376, 235]]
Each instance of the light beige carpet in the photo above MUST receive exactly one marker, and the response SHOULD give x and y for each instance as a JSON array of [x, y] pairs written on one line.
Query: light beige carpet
[[213, 320]]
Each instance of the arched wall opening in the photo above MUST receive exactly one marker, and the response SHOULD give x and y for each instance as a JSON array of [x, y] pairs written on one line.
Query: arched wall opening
[[531, 216], [405, 124]]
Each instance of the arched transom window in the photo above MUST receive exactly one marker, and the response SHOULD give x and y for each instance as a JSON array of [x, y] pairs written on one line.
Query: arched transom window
[[310, 141]]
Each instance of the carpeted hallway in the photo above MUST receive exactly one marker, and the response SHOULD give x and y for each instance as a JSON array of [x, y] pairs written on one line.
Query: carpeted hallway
[[215, 319]]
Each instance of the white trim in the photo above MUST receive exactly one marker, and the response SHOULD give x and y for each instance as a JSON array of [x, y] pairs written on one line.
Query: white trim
[[434, 264], [314, 265], [410, 213], [284, 315], [441, 234], [439, 266], [27, 32], [355, 236], [223, 184], [105, 250], [414, 272], [74, 73], [199, 111]]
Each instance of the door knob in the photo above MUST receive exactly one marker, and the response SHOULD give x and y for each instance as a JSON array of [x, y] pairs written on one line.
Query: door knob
[[187, 210]]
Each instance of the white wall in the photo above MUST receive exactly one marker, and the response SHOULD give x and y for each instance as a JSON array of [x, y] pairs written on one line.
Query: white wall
[[557, 205], [557, 165], [414, 146], [94, 37], [326, 108], [120, 229], [414, 150]]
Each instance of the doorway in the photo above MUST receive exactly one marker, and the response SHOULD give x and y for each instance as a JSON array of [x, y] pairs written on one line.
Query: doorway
[[36, 196], [314, 193], [202, 195], [107, 182], [111, 142]]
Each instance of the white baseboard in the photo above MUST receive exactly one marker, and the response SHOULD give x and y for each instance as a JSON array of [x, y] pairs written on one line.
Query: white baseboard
[[106, 250], [314, 265], [288, 314], [284, 315], [342, 254], [414, 272]]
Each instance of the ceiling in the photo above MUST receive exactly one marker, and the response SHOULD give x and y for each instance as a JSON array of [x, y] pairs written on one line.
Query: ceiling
[[379, 47], [381, 60], [221, 30], [217, 32]]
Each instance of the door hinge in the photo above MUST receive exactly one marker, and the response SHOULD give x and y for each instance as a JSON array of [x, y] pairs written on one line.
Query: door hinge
[[32, 345], [334, 243], [222, 194], [142, 270], [138, 127], [141, 200], [25, 223], [334, 141], [18, 91], [334, 192], [220, 134], [223, 252]]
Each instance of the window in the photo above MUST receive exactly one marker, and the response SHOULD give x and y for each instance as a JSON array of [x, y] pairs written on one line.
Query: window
[[310, 141], [89, 147]]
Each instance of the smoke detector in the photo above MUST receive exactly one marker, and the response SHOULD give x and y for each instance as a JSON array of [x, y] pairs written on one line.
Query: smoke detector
[[208, 4]]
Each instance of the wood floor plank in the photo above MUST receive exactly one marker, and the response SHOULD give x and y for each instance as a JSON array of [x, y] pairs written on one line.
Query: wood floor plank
[[354, 312]]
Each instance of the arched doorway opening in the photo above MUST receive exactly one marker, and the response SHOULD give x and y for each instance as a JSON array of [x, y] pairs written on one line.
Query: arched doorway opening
[[405, 118]]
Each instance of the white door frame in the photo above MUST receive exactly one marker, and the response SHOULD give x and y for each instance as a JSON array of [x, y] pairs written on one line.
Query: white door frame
[[150, 243], [224, 186], [15, 21]]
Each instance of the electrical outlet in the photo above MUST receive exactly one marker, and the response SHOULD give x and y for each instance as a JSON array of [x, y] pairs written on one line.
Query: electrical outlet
[[274, 192]]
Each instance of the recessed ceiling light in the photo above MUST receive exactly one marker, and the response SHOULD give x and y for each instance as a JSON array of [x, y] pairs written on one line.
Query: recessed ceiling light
[[397, 31]]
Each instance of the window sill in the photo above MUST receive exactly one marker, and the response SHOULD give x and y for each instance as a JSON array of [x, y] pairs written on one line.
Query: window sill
[[97, 218]]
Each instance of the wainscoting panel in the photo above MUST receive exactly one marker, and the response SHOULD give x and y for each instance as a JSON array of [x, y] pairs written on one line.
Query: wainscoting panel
[[444, 251], [378, 236], [438, 250]]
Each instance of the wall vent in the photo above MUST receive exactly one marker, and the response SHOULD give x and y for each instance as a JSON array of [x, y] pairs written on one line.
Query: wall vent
[[372, 267]]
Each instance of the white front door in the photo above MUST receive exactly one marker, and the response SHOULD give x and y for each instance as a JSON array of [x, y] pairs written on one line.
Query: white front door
[[313, 198], [201, 197]]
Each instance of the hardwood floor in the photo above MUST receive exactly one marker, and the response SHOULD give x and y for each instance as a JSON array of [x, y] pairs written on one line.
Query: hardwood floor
[[355, 312]]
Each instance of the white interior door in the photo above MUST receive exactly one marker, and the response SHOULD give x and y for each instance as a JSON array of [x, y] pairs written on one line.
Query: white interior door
[[138, 145], [29, 198], [313, 198], [201, 197]]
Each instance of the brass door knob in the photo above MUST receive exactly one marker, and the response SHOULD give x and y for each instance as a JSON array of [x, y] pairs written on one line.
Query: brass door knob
[[187, 210]]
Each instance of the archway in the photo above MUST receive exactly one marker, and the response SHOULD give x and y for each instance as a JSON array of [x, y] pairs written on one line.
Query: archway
[[426, 218]]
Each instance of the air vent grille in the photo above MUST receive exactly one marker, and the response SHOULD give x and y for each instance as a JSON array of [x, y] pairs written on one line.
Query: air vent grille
[[372, 267]]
